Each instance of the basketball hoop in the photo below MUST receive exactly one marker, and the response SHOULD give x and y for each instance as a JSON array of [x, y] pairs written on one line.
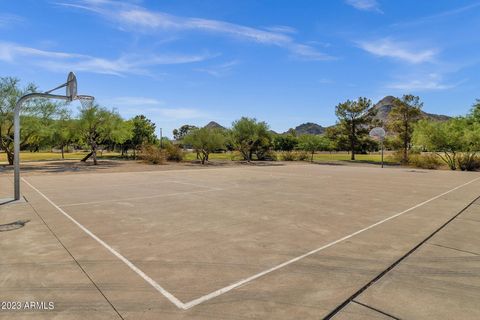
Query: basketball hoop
[[378, 134], [85, 101], [70, 95]]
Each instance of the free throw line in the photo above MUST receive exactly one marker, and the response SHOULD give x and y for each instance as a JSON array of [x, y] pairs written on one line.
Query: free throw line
[[226, 289]]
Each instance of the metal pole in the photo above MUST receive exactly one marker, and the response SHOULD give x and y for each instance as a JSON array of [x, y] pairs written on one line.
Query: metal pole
[[382, 153], [16, 135], [161, 139]]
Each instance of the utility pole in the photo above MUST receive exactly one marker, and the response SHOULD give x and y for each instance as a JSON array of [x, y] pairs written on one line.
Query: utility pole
[[161, 139]]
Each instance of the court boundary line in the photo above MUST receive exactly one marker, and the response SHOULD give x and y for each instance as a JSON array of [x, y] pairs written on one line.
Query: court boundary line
[[181, 305], [137, 198]]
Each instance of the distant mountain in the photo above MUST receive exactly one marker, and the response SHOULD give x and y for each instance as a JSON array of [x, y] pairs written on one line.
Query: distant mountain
[[384, 106], [214, 125], [309, 128]]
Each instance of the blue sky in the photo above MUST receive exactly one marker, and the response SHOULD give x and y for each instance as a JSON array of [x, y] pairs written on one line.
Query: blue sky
[[284, 62]]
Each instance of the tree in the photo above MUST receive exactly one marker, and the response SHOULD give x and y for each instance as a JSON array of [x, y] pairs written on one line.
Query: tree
[[64, 132], [97, 125], [354, 118], [446, 138], [205, 141], [142, 132], [32, 126], [405, 112], [475, 112], [285, 142], [251, 137], [181, 132], [313, 143]]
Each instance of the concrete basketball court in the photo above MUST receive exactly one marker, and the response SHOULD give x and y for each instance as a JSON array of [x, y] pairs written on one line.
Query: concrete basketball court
[[249, 242]]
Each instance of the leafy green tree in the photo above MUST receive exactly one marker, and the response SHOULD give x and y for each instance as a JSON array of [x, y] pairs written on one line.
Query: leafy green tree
[[205, 141], [181, 132], [31, 127], [251, 137], [142, 132], [475, 112], [354, 118], [284, 142], [63, 132], [97, 125], [444, 138], [313, 143], [404, 114]]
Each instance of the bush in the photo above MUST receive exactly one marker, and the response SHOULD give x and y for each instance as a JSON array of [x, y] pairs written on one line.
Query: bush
[[303, 156], [174, 152], [152, 154], [424, 161], [288, 156], [468, 162]]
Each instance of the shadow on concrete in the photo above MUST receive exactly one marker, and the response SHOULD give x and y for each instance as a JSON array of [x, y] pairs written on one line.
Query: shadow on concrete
[[13, 225], [64, 166]]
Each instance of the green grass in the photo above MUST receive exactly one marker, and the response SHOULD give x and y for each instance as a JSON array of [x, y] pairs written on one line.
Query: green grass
[[346, 157], [189, 156], [325, 157], [47, 156]]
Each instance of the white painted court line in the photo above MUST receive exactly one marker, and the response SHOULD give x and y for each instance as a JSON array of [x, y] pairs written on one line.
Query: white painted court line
[[137, 198], [226, 289], [152, 282]]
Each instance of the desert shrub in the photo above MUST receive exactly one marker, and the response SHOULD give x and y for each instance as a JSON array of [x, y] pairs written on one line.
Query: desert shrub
[[395, 157], [174, 152], [303, 156], [424, 161], [288, 156], [468, 162], [270, 156], [152, 154]]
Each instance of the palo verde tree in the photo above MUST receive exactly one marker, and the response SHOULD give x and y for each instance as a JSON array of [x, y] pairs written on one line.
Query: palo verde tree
[[10, 92], [354, 118], [64, 131], [205, 141], [284, 142], [96, 125], [445, 138], [142, 133], [180, 133], [401, 119], [312, 143], [251, 137]]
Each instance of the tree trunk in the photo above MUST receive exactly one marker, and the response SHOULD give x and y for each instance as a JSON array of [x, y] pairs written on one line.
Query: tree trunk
[[86, 157], [63, 156], [311, 160], [9, 156]]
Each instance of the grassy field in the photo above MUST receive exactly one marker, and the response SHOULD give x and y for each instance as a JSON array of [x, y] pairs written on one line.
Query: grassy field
[[47, 156], [189, 156], [339, 156]]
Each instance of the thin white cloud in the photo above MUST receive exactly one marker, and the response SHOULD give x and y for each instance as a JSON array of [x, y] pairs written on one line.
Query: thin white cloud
[[134, 101], [64, 61], [438, 16], [432, 81], [136, 18], [281, 29], [398, 50], [8, 20], [365, 5], [180, 113], [165, 114], [219, 70]]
